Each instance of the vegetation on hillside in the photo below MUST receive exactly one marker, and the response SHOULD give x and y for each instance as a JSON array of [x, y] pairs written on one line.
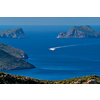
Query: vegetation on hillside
[[17, 79], [13, 51], [9, 62]]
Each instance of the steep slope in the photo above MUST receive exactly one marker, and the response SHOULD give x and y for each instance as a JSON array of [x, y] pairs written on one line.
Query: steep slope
[[12, 33], [13, 51], [80, 32], [9, 62]]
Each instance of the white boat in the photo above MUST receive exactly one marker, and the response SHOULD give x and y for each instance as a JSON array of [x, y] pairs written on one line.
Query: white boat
[[52, 49]]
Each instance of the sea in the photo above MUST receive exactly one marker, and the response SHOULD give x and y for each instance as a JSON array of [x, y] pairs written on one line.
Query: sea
[[71, 57]]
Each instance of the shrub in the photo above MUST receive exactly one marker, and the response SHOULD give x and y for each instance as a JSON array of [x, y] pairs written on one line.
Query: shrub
[[18, 76]]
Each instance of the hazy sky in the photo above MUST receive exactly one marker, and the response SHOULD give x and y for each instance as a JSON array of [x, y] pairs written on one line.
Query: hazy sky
[[49, 20]]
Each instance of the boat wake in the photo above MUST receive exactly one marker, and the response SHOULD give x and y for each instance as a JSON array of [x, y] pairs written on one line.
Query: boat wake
[[54, 48]]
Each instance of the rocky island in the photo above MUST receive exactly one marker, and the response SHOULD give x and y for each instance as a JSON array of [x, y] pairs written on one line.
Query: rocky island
[[80, 32], [12, 58], [12, 33]]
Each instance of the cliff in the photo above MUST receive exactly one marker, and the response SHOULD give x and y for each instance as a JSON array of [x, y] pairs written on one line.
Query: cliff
[[13, 51], [12, 33], [80, 32]]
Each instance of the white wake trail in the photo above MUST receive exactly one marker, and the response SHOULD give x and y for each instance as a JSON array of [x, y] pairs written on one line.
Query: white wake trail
[[54, 48]]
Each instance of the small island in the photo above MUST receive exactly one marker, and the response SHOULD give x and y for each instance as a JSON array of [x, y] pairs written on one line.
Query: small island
[[12, 33], [80, 32]]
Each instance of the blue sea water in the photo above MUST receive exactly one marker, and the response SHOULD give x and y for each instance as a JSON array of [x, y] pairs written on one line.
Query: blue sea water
[[78, 57]]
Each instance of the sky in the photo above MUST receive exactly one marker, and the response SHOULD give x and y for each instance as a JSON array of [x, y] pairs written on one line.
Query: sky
[[49, 20]]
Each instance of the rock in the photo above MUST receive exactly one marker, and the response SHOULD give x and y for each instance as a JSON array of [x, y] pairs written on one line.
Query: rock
[[61, 34], [90, 82], [80, 32], [77, 82]]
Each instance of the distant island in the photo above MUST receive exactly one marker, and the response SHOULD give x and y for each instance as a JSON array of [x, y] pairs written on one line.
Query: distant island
[[13, 33], [12, 58], [80, 32]]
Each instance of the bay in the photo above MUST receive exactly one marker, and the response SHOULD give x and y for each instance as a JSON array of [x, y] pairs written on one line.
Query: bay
[[78, 57]]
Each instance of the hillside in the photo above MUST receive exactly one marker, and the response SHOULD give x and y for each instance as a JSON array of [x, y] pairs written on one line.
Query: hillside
[[13, 51], [80, 32], [9, 62], [17, 79], [12, 33]]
